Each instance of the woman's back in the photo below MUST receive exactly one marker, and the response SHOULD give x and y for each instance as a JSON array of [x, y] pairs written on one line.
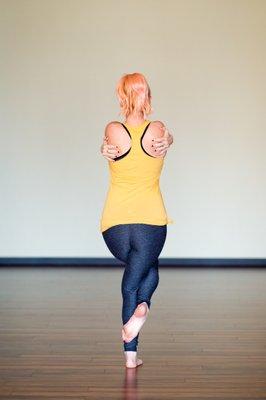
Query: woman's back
[[134, 194], [118, 134]]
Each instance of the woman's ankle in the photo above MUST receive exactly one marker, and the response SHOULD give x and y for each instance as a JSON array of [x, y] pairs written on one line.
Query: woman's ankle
[[132, 354]]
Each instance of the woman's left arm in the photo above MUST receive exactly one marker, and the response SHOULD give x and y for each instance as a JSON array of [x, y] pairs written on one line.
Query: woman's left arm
[[164, 142]]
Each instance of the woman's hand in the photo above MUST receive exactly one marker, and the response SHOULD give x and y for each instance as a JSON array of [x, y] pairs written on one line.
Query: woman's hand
[[109, 151], [164, 142]]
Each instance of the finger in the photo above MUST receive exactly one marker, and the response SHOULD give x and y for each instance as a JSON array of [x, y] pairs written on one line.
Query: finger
[[109, 154], [110, 149], [166, 132], [161, 151], [158, 145], [158, 139]]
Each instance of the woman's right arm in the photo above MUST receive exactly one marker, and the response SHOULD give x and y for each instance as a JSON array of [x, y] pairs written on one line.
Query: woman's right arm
[[108, 151]]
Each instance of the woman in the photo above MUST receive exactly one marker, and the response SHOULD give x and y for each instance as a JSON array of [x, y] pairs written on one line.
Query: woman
[[134, 220]]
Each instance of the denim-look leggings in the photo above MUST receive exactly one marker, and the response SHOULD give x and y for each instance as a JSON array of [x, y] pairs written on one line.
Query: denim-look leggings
[[138, 245]]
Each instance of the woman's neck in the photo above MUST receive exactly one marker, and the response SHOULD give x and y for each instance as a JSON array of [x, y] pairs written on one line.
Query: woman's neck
[[134, 120]]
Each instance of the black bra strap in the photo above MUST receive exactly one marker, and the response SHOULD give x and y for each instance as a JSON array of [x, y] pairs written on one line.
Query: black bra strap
[[129, 132], [145, 129], [126, 129], [142, 136]]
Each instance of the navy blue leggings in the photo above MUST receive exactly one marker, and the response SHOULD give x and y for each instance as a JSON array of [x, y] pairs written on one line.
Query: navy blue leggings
[[138, 245]]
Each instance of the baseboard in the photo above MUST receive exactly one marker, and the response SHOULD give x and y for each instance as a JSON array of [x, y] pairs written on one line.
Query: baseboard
[[105, 262]]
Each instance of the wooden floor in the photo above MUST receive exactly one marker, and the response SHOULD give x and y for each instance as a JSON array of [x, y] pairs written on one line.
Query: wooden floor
[[205, 336]]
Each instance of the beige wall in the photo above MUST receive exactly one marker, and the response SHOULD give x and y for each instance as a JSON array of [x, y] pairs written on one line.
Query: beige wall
[[205, 61]]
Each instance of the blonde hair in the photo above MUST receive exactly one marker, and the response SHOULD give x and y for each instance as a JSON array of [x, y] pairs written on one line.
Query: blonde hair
[[134, 94]]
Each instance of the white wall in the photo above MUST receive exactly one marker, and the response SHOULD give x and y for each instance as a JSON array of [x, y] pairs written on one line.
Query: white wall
[[205, 61]]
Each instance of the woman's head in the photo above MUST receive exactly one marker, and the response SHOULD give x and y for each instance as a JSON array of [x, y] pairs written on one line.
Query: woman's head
[[134, 95]]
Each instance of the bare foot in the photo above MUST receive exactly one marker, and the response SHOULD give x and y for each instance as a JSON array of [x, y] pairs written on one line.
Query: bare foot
[[134, 324], [131, 359]]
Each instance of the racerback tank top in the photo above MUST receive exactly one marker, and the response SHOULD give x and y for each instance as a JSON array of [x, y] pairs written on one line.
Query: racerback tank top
[[134, 194]]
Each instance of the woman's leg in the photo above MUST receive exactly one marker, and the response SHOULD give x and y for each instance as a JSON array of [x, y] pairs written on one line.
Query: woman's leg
[[148, 284], [139, 246], [117, 239], [147, 287], [140, 277]]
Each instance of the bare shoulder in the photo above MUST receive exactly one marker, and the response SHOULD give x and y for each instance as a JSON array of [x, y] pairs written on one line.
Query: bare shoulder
[[113, 125], [157, 128], [158, 124], [112, 128]]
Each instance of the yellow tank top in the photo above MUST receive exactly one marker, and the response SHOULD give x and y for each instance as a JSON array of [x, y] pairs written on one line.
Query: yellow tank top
[[134, 195]]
